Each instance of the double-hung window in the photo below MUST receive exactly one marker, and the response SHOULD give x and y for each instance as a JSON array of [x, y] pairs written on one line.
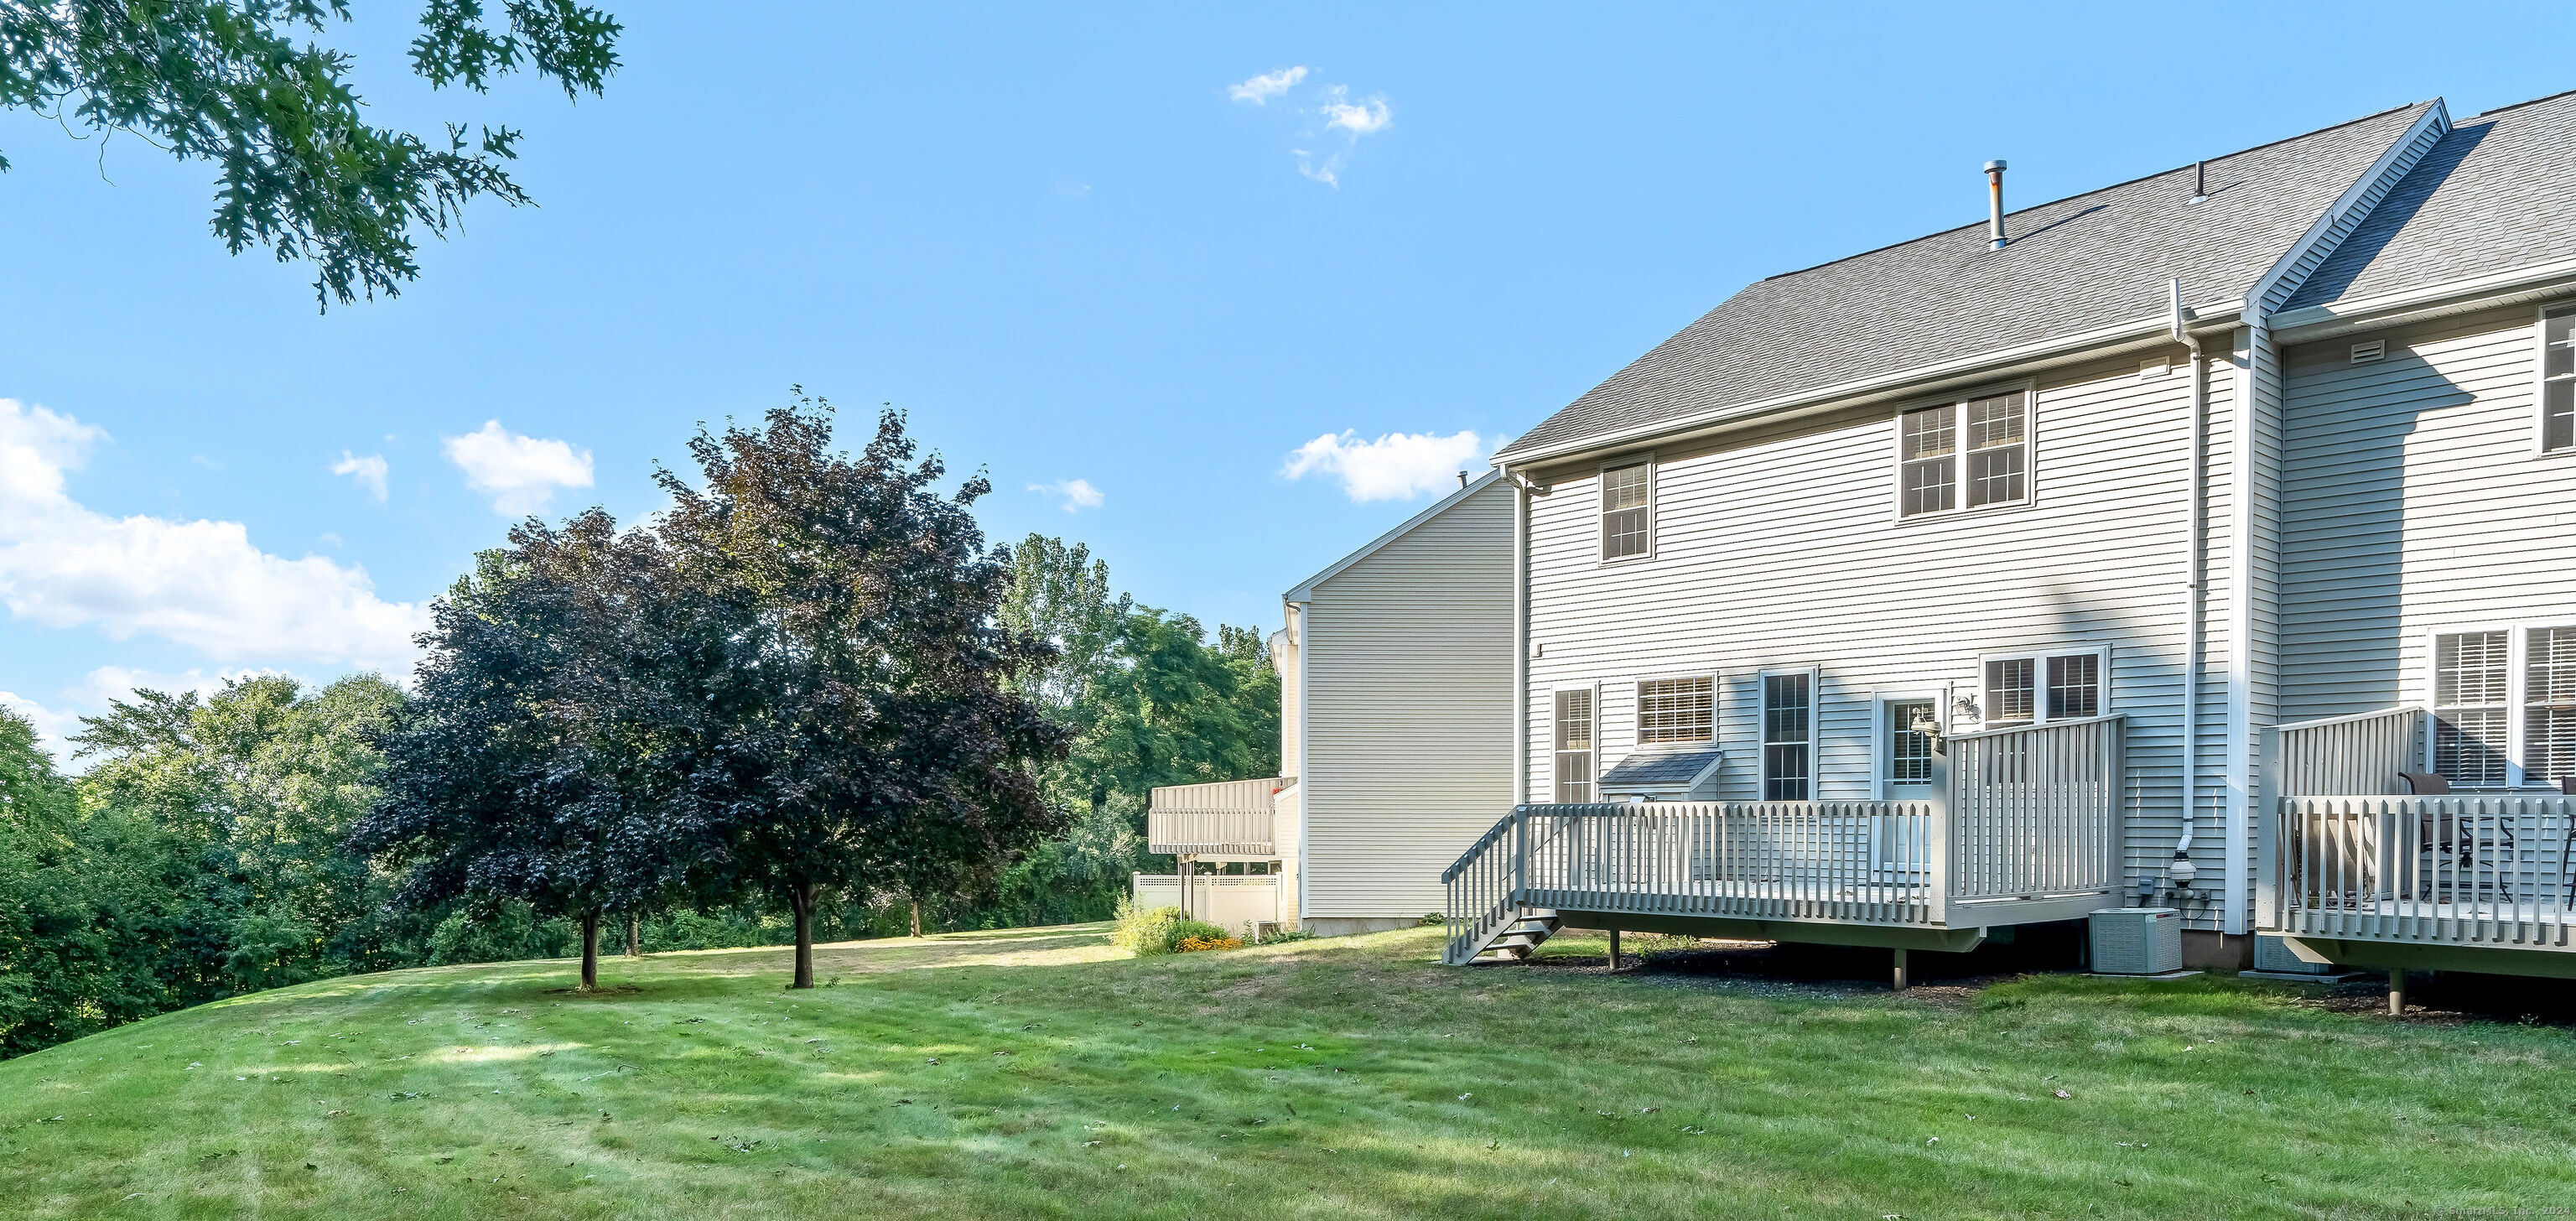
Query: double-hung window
[[1973, 454], [1676, 710], [1788, 735], [2022, 688], [1574, 746], [1627, 510], [2504, 706], [2558, 378]]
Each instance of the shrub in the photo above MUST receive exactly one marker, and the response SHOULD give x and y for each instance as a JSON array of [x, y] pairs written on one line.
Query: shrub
[[1277, 935], [1145, 932], [1433, 920]]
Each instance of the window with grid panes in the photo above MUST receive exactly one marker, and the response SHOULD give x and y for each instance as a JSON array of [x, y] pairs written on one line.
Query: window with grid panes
[[1677, 710], [1788, 705], [1627, 511], [2041, 687], [1909, 749], [1574, 747], [2558, 378], [1972, 453]]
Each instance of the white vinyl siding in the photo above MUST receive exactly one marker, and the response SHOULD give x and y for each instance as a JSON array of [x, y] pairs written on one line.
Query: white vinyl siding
[[2413, 505], [1408, 735], [1877, 602]]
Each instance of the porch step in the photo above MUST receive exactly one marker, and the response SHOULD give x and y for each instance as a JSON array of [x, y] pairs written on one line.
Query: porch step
[[1517, 939]]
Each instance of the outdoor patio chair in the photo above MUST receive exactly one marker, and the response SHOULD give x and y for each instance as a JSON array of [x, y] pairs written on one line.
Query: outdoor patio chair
[[2439, 836]]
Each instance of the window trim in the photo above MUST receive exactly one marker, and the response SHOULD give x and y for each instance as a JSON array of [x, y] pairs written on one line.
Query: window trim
[[1637, 709], [1882, 732], [1762, 727], [1654, 506], [2540, 315], [1555, 781], [2517, 702], [2039, 683], [1958, 406]]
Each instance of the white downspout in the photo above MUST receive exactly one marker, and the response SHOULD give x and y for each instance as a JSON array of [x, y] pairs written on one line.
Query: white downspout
[[1520, 640], [2181, 873], [1300, 636]]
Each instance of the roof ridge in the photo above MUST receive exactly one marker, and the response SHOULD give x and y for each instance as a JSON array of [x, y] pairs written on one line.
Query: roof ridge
[[2519, 105], [2376, 114]]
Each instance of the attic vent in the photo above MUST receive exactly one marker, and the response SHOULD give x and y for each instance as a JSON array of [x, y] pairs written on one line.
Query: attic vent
[[2364, 353], [2153, 368]]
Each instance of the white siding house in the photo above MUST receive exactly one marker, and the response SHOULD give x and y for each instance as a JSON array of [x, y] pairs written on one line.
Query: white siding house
[[1397, 679], [2200, 541]]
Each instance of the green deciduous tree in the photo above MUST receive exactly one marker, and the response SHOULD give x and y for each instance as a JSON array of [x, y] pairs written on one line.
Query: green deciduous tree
[[240, 84]]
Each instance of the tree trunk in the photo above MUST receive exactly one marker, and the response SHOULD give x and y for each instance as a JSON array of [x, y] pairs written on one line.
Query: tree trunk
[[800, 898], [590, 950], [634, 935], [916, 917]]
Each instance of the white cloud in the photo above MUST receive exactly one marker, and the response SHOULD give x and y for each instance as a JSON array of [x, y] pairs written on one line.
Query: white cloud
[[369, 472], [200, 584], [54, 726], [1077, 494], [1397, 466], [519, 473], [1359, 118], [1260, 89]]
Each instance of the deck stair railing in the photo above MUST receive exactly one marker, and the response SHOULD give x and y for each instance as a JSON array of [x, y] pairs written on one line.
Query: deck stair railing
[[2020, 813]]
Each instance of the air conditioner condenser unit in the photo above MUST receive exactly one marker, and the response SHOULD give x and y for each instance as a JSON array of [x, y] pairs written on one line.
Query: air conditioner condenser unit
[[2137, 941]]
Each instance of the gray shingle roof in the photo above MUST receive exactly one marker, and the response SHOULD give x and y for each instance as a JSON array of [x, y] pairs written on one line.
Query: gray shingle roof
[[2498, 192], [1660, 767], [2074, 265]]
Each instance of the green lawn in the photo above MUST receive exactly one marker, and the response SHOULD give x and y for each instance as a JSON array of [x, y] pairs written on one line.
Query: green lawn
[[1035, 1073]]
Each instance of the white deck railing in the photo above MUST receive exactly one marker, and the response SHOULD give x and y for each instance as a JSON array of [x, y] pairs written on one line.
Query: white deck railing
[[2031, 813], [2357, 755], [2470, 869], [1226, 818], [2036, 811]]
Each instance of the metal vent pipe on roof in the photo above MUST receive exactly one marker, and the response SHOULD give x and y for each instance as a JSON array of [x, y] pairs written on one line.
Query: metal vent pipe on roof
[[1995, 204]]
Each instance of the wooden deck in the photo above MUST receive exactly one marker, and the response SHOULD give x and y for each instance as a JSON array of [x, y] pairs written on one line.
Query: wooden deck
[[2023, 828]]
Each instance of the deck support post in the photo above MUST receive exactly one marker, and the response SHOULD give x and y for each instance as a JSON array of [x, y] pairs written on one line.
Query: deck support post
[[2396, 991], [1614, 949], [1898, 955], [1186, 862]]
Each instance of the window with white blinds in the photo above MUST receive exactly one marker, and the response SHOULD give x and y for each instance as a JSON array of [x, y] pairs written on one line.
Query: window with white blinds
[[2549, 704], [1973, 453], [2504, 705], [2471, 706], [2558, 378], [1574, 746], [1677, 710], [2040, 687], [1627, 510], [1788, 735]]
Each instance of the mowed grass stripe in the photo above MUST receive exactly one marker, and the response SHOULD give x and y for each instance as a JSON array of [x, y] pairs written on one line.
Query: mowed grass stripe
[[1035, 1074]]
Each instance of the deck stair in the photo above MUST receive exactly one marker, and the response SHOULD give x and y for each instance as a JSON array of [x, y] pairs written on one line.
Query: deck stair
[[1511, 937]]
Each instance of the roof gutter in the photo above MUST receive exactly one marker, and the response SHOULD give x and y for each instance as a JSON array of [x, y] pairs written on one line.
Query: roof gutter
[[2519, 286], [2021, 358]]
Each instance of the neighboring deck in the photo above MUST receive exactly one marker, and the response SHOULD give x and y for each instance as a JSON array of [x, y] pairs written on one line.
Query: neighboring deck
[[2023, 827], [2474, 881], [1228, 819]]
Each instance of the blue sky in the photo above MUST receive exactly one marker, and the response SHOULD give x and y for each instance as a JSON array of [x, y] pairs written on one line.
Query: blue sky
[[1161, 252]]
